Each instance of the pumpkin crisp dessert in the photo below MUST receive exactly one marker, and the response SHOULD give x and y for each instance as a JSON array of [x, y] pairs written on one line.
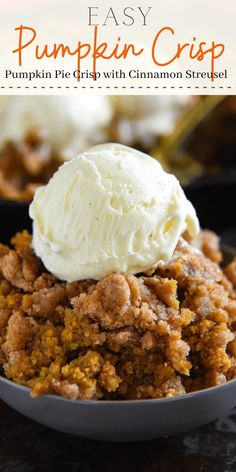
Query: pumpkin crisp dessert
[[39, 133], [146, 316], [26, 165]]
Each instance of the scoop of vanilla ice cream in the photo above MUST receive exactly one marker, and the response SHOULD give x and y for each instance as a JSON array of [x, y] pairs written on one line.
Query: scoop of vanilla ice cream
[[73, 123], [144, 117], [4, 100], [111, 208]]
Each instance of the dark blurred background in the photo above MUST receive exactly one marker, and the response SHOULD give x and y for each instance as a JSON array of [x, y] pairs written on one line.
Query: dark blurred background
[[201, 152], [213, 192]]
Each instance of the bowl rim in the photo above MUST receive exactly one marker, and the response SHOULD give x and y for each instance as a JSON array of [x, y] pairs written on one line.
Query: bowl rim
[[147, 401]]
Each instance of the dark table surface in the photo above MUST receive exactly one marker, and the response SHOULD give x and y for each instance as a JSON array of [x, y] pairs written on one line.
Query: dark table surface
[[28, 447]]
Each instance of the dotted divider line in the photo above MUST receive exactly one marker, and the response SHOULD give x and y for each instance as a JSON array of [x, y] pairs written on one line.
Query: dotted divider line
[[131, 87]]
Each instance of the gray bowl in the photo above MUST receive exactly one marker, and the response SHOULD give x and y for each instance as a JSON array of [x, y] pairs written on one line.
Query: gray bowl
[[133, 420]]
